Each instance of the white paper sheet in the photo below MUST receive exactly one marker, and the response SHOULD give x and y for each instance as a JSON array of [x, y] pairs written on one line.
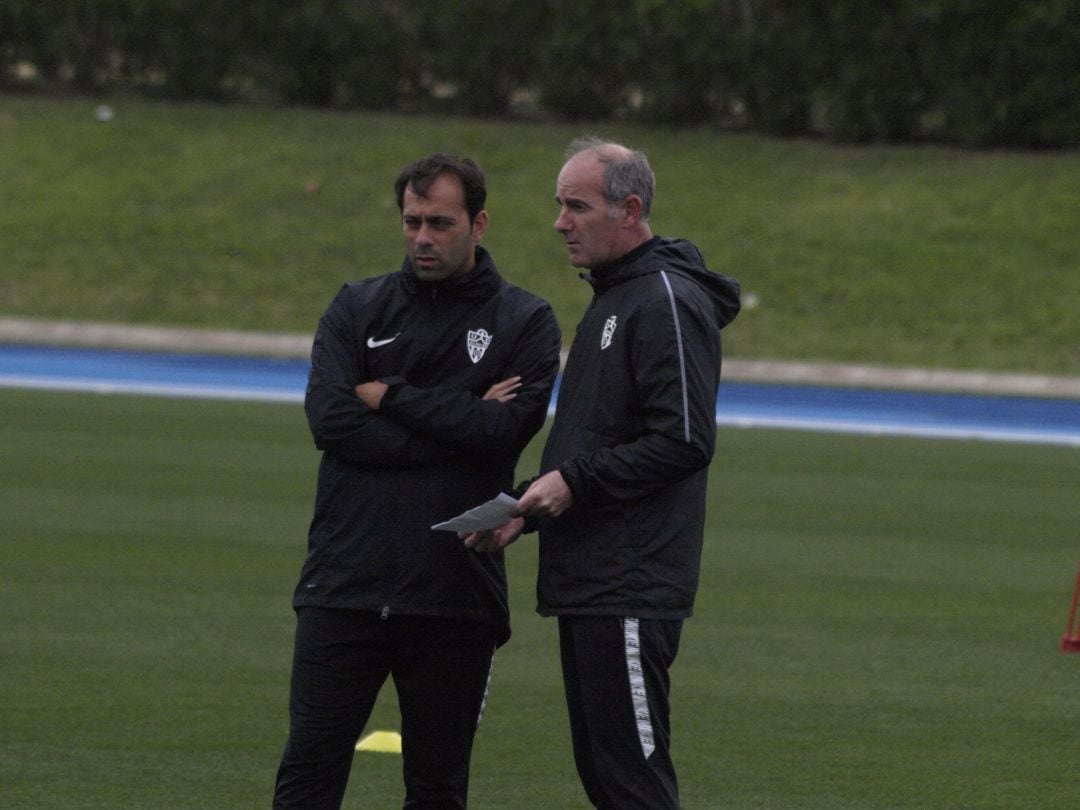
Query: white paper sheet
[[488, 515]]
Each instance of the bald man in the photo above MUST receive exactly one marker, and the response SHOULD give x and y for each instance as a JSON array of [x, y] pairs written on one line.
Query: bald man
[[620, 499]]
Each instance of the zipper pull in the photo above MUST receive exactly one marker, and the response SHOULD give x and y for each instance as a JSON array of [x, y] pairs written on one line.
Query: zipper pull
[[385, 613]]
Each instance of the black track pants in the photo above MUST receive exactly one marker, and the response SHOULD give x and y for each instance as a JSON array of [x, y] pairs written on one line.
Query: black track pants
[[615, 671], [440, 668]]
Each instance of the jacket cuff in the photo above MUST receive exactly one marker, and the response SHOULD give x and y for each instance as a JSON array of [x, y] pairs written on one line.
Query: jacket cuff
[[392, 384], [569, 473]]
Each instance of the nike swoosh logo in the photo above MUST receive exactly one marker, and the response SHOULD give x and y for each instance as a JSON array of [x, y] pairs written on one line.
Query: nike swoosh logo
[[372, 343]]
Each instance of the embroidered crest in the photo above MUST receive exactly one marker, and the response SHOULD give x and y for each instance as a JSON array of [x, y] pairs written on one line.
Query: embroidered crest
[[609, 330], [478, 342]]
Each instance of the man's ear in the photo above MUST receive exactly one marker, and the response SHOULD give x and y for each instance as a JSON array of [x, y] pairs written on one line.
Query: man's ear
[[632, 210], [479, 225]]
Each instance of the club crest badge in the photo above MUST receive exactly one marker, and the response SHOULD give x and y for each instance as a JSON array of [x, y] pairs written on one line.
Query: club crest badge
[[609, 330], [478, 341]]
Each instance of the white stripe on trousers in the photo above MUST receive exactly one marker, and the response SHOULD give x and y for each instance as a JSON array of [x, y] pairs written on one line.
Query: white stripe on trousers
[[487, 689], [638, 694]]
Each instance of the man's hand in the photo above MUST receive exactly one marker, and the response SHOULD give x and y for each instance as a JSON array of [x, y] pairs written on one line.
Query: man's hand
[[491, 540], [504, 391], [371, 393], [548, 495]]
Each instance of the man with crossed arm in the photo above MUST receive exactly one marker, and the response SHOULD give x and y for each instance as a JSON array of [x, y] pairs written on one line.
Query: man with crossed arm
[[425, 386]]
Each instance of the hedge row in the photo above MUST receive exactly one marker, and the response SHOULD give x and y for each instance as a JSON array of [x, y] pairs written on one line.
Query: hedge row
[[970, 72]]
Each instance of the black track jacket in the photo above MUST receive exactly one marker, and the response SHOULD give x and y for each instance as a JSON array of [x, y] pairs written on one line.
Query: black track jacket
[[634, 431], [432, 450]]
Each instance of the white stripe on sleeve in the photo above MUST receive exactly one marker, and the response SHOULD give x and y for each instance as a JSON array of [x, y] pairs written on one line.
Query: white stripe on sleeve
[[682, 357]]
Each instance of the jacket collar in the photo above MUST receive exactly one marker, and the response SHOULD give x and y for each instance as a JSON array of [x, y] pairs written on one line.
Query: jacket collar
[[480, 282], [627, 266]]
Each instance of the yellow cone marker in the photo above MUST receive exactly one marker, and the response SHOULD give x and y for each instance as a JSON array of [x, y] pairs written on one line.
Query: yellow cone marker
[[386, 742]]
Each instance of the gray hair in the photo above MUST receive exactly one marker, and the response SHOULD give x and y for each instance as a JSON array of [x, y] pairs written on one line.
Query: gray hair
[[624, 174]]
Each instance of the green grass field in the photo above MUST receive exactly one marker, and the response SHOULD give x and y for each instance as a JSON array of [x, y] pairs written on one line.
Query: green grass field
[[878, 623], [252, 217]]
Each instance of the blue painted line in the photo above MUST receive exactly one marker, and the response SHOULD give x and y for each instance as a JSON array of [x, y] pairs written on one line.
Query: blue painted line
[[153, 373], [749, 405], [901, 413]]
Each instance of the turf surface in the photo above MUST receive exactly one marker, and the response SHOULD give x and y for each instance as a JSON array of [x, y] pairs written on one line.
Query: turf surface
[[877, 626]]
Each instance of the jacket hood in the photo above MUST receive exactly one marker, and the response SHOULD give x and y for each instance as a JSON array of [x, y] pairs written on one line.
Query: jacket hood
[[680, 256]]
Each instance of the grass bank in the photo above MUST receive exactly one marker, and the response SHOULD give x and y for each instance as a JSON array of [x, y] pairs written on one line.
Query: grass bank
[[251, 217]]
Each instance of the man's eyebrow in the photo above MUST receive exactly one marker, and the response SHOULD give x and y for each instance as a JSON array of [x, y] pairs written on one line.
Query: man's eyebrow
[[430, 217]]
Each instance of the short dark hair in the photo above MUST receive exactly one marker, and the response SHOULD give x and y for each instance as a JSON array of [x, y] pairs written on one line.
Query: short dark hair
[[420, 174]]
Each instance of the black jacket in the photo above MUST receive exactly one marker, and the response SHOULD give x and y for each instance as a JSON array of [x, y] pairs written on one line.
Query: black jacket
[[432, 450], [633, 435]]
